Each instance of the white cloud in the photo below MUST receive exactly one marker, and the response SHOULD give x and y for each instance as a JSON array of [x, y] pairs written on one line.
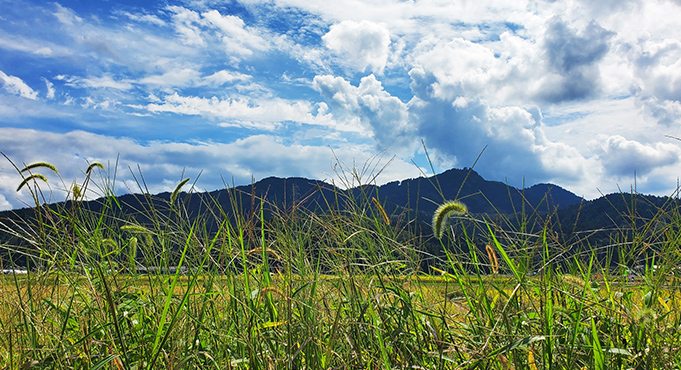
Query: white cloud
[[457, 65], [516, 147], [15, 85], [237, 38], [555, 65], [4, 204], [66, 15], [241, 111], [186, 23], [383, 115], [424, 17], [621, 157], [146, 18], [224, 77], [13, 42], [21, 112], [173, 78], [455, 128], [666, 112], [103, 82], [366, 44], [185, 77], [50, 88]]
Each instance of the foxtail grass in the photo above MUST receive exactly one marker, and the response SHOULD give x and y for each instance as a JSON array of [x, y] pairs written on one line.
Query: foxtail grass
[[29, 168], [443, 212], [30, 178]]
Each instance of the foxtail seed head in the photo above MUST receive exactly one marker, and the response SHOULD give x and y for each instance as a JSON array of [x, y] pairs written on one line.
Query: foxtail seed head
[[29, 178], [443, 212], [493, 261], [92, 166], [135, 229], [77, 193], [381, 210], [35, 165], [176, 192]]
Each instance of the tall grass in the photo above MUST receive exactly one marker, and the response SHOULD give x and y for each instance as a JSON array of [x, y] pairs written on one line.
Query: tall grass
[[282, 287]]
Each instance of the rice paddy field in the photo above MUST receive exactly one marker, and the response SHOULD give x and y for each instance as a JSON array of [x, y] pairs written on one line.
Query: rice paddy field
[[352, 288]]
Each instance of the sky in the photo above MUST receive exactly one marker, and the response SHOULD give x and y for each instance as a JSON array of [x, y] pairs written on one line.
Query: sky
[[579, 93]]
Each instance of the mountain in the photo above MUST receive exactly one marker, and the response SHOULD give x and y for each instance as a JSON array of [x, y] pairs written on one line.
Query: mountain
[[416, 198], [479, 195], [420, 195], [621, 210]]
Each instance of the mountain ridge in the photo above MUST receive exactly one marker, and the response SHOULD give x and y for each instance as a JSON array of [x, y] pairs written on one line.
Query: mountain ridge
[[422, 194]]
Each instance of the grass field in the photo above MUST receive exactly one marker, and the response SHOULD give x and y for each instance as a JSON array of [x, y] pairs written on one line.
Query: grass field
[[348, 289]]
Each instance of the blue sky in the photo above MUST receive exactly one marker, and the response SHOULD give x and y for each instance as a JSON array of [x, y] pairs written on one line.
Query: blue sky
[[579, 93]]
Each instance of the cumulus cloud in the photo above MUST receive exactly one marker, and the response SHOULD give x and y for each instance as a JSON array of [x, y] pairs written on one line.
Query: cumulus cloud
[[622, 157], [504, 72], [459, 66], [455, 127], [515, 146], [4, 204], [666, 112], [610, 7], [15, 85], [458, 128], [366, 44], [385, 116]]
